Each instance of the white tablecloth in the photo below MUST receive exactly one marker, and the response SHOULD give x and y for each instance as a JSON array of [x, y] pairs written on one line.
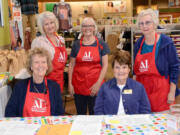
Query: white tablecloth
[[5, 93]]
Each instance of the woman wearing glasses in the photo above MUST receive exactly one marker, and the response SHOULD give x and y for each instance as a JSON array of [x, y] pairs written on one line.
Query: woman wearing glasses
[[87, 67], [156, 63]]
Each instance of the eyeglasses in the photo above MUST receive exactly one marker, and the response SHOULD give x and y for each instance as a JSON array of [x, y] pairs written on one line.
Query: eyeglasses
[[147, 23], [85, 26]]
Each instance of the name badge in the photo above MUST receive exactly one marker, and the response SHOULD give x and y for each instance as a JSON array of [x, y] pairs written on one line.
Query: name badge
[[127, 91]]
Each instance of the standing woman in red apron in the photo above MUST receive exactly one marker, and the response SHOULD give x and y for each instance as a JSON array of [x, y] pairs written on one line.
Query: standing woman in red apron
[[36, 96], [50, 40], [156, 63], [87, 67]]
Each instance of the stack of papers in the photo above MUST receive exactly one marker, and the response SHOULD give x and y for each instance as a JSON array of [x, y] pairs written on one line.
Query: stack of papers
[[128, 119], [87, 125], [17, 128]]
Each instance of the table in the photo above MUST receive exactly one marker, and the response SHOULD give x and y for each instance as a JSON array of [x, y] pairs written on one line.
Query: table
[[157, 127], [5, 93]]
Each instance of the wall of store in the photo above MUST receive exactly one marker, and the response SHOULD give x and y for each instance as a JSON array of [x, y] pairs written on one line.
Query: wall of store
[[4, 31], [96, 7], [162, 3]]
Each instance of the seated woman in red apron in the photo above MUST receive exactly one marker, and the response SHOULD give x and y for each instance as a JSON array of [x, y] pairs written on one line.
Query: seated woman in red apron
[[156, 63], [51, 41], [36, 96], [88, 66]]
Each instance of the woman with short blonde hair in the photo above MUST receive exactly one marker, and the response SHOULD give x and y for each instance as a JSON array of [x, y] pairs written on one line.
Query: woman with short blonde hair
[[36, 96], [41, 52]]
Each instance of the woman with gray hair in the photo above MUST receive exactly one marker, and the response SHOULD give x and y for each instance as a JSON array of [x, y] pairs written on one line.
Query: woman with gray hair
[[51, 41], [36, 96], [156, 63], [87, 67]]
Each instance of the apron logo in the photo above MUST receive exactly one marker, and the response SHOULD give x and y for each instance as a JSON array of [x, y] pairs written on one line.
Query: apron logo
[[39, 105], [144, 66], [87, 56], [61, 57]]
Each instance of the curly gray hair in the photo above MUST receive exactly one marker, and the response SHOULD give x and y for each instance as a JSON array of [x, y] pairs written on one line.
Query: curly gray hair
[[150, 12], [42, 17]]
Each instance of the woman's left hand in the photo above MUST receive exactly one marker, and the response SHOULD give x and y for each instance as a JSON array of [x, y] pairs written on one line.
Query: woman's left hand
[[95, 88], [171, 98]]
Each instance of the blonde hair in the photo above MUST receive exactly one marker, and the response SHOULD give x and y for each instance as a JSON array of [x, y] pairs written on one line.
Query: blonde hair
[[41, 52], [42, 17], [150, 12], [89, 19]]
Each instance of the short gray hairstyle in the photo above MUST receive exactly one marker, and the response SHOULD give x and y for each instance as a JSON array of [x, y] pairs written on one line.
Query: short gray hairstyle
[[150, 12], [42, 17], [87, 19]]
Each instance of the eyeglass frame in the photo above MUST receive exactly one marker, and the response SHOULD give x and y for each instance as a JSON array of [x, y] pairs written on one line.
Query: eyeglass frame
[[86, 26], [147, 23]]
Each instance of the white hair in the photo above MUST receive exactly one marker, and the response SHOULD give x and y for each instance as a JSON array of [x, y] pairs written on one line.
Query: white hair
[[42, 17], [89, 19], [150, 12]]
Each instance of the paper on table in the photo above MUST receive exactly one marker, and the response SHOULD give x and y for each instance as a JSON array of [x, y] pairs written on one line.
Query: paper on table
[[76, 133], [86, 125], [58, 129], [18, 128], [128, 119]]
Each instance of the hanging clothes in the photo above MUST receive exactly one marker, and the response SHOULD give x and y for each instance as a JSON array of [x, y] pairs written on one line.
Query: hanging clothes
[[63, 13]]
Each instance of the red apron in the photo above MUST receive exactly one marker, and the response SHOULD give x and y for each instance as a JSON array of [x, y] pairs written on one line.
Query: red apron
[[37, 104], [87, 68], [157, 86], [59, 61]]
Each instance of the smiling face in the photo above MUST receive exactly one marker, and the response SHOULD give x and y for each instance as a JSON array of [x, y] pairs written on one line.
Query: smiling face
[[39, 66], [147, 25], [88, 28], [49, 26], [121, 72]]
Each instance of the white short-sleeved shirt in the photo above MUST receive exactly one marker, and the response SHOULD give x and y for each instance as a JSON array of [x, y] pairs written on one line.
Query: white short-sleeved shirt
[[43, 42]]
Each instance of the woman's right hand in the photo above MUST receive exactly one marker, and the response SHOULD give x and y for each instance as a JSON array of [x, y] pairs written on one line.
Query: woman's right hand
[[71, 89], [70, 72]]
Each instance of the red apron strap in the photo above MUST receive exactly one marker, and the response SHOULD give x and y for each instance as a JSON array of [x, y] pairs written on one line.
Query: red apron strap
[[97, 41], [154, 48], [52, 42]]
